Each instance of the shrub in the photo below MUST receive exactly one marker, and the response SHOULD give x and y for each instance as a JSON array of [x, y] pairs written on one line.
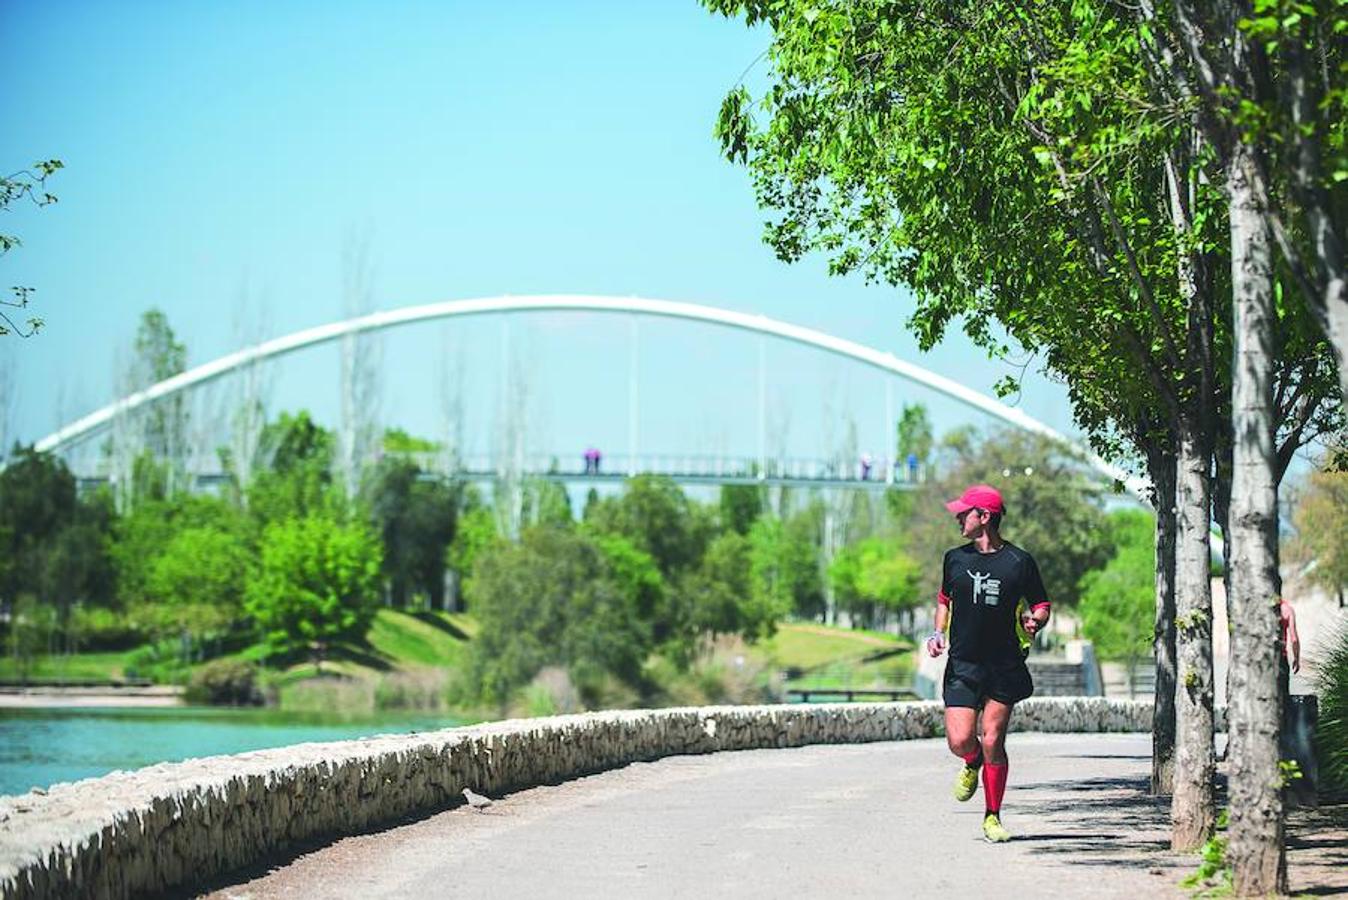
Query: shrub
[[1332, 733], [99, 628], [423, 690], [224, 682], [161, 662]]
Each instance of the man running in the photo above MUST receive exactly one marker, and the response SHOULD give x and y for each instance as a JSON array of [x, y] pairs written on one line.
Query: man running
[[991, 604]]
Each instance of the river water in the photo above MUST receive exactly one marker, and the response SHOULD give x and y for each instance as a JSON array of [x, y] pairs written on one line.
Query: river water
[[40, 747]]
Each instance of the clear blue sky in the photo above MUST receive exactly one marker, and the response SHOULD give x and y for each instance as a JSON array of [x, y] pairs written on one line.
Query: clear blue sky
[[217, 152]]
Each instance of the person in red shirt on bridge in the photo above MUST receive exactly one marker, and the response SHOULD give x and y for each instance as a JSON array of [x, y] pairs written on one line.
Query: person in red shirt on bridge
[[992, 603]]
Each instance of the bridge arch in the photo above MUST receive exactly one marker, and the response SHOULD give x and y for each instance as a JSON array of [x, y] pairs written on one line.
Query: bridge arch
[[758, 324]]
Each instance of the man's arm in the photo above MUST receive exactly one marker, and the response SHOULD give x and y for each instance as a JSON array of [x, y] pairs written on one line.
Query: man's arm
[[1293, 639], [936, 642], [1037, 617]]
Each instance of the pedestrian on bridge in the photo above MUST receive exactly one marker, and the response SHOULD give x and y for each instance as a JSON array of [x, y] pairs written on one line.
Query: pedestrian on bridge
[[991, 604]]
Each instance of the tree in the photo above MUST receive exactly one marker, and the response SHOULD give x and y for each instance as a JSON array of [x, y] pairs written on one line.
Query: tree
[[1027, 166], [874, 579], [26, 184], [716, 593], [1316, 546], [416, 520], [914, 437], [992, 157], [475, 534], [297, 477], [196, 585], [53, 545], [37, 502], [557, 597], [741, 505], [1117, 601], [316, 583], [655, 515], [784, 573]]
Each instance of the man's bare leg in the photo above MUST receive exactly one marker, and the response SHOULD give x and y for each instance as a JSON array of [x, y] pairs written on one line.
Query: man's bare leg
[[961, 733], [996, 718]]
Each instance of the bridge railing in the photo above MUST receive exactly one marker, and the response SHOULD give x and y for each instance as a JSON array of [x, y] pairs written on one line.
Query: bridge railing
[[708, 467]]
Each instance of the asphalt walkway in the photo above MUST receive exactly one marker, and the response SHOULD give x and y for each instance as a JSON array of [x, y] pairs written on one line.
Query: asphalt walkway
[[870, 820]]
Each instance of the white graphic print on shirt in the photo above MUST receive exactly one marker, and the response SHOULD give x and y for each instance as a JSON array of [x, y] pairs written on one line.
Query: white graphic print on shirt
[[988, 587]]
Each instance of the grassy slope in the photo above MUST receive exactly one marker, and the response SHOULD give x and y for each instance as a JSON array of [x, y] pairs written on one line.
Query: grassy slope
[[76, 667], [397, 640], [823, 656], [814, 655]]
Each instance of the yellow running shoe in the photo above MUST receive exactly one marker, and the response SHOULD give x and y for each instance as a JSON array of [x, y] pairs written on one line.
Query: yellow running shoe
[[993, 830], [966, 782]]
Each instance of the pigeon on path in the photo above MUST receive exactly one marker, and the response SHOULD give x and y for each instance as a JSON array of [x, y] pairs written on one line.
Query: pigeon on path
[[476, 800]]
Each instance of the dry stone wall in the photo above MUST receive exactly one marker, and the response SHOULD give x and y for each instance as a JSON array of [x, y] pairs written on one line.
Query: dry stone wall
[[135, 833]]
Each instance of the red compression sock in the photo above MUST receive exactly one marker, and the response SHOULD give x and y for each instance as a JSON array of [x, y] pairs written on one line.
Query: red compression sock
[[973, 760], [994, 785]]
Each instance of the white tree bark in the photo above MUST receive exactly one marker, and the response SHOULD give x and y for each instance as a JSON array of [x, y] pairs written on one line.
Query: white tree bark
[[1163, 639], [1192, 812], [1255, 848], [358, 438]]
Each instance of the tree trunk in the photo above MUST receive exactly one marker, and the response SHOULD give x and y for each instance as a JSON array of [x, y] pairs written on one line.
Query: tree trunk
[[1255, 847], [1191, 811], [1163, 638]]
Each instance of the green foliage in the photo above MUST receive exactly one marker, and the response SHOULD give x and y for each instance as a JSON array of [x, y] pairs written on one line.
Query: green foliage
[[37, 502], [1213, 877], [224, 682], [741, 505], [100, 628], [32, 629], [654, 514], [140, 537], [416, 521], [196, 583], [396, 440], [27, 184], [716, 592], [298, 480], [1118, 602], [546, 503], [558, 598], [158, 355], [914, 435], [1316, 518], [53, 546], [874, 576], [1331, 733], [316, 582], [475, 534], [783, 572]]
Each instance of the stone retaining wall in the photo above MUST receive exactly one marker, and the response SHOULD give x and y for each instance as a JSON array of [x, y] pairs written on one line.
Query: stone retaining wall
[[135, 833]]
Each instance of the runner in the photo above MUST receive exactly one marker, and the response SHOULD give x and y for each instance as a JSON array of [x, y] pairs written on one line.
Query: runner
[[991, 604]]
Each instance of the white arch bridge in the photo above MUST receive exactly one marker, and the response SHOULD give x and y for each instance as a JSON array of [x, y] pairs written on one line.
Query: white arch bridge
[[94, 422]]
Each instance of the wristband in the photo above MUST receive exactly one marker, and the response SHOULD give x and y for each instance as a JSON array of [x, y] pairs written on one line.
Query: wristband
[[937, 636]]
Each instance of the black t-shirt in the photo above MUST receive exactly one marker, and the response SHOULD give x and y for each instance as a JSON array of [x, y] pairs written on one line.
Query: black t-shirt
[[983, 591]]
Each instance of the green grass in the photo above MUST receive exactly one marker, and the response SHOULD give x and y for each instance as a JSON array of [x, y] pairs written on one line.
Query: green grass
[[107, 666], [396, 641], [827, 657], [421, 639]]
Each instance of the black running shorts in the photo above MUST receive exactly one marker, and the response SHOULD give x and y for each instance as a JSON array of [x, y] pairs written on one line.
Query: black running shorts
[[971, 684]]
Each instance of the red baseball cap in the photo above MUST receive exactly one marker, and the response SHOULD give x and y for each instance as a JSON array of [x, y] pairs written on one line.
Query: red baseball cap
[[980, 496]]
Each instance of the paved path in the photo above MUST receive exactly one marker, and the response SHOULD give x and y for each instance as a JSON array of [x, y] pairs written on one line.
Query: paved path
[[870, 820]]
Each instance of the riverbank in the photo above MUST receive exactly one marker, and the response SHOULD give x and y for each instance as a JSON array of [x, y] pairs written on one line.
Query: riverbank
[[109, 697]]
